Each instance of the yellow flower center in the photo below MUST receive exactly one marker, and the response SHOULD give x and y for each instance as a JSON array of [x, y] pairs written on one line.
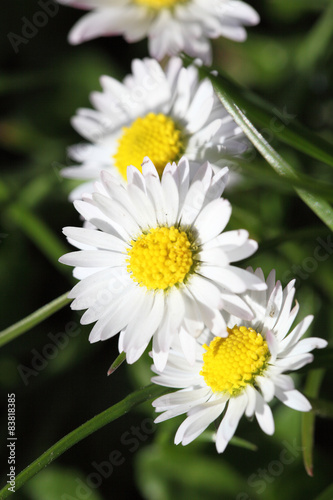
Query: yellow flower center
[[155, 136], [161, 258], [159, 4], [233, 362]]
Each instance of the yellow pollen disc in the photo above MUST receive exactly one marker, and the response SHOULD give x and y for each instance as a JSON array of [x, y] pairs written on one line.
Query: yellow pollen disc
[[159, 4], [161, 258], [233, 362], [155, 136]]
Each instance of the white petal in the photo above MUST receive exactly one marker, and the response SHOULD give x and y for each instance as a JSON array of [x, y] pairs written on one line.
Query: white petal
[[230, 421], [294, 399], [96, 238], [171, 196], [236, 306], [266, 386], [273, 345], [295, 335], [212, 219], [294, 362], [93, 258], [188, 345], [205, 291], [264, 415], [116, 212], [214, 256], [195, 424]]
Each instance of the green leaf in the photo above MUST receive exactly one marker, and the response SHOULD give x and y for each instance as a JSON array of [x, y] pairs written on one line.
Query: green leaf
[[33, 319], [319, 206], [308, 419], [280, 124], [131, 401]]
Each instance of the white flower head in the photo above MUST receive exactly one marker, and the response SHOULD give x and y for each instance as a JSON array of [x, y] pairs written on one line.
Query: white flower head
[[172, 26], [158, 264], [162, 115], [241, 373]]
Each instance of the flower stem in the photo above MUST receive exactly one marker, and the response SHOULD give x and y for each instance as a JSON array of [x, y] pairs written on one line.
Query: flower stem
[[140, 396], [33, 319]]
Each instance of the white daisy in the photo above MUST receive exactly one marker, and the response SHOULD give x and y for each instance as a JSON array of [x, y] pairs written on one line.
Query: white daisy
[[172, 26], [162, 115], [241, 373], [159, 264]]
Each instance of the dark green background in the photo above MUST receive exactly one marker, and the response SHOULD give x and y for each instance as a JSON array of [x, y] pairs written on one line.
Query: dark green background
[[287, 60]]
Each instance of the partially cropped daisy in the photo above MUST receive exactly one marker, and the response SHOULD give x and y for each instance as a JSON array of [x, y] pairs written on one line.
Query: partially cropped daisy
[[162, 115], [171, 26], [158, 264], [241, 373]]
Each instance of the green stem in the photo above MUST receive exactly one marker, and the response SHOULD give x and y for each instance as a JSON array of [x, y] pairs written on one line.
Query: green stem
[[149, 392], [33, 319]]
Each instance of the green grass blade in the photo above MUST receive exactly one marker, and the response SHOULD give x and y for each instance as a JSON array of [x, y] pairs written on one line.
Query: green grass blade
[[280, 124], [313, 383], [318, 205], [33, 319], [131, 401], [117, 362]]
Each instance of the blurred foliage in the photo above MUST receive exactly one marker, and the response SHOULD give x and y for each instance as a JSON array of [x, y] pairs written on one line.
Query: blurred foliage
[[287, 60]]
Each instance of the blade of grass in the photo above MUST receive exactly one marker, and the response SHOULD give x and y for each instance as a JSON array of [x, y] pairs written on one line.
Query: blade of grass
[[281, 124], [131, 401], [319, 206], [33, 319], [312, 387], [117, 362]]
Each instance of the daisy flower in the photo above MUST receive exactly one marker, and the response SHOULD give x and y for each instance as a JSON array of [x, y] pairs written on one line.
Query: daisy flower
[[171, 26], [162, 115], [242, 372], [158, 264]]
